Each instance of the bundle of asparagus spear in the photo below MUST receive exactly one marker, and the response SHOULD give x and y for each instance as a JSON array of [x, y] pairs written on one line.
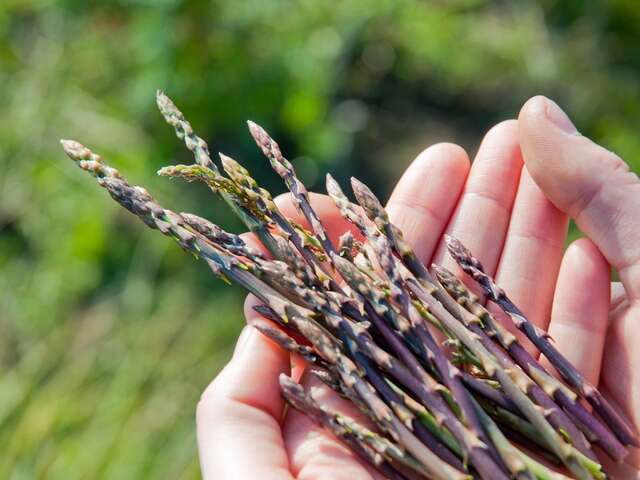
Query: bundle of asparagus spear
[[449, 391]]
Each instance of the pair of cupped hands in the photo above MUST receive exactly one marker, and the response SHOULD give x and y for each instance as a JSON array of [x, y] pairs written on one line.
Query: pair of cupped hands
[[511, 208]]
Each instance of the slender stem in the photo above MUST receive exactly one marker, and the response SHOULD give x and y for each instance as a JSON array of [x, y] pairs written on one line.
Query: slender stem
[[285, 169], [376, 450], [184, 131], [418, 381], [544, 387], [540, 339], [513, 381]]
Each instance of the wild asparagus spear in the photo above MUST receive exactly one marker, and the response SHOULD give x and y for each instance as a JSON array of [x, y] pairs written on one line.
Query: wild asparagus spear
[[541, 340], [184, 131], [349, 332], [432, 352], [284, 168], [373, 448], [376, 212], [567, 400]]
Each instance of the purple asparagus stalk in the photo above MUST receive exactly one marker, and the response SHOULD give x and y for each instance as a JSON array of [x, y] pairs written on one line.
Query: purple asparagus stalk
[[376, 212], [541, 340], [418, 381], [371, 447], [491, 328], [433, 353], [284, 168]]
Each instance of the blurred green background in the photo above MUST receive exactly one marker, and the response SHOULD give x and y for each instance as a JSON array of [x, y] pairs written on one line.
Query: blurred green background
[[108, 332]]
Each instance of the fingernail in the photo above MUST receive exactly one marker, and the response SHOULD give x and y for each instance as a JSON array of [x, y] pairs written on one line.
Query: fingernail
[[243, 339], [557, 116]]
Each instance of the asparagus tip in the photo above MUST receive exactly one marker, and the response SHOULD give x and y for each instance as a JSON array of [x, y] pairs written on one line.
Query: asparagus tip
[[164, 103], [75, 150], [441, 272], [333, 187], [263, 140], [258, 133], [169, 170], [292, 390], [360, 189], [461, 254], [225, 159], [368, 200], [253, 126]]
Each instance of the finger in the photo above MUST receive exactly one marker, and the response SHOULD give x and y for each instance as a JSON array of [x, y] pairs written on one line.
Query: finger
[[591, 184], [581, 308], [313, 452], [627, 469], [618, 295], [482, 215], [531, 254], [621, 363], [425, 196], [238, 416]]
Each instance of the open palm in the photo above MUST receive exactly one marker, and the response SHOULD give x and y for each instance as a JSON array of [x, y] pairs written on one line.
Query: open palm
[[514, 219]]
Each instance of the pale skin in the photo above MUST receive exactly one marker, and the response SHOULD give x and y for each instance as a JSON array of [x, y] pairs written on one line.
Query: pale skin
[[511, 209]]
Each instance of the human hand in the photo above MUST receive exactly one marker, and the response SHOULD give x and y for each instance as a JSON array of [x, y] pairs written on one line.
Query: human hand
[[518, 232], [598, 332]]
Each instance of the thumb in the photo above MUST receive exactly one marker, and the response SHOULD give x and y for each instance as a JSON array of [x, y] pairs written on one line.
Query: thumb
[[593, 185]]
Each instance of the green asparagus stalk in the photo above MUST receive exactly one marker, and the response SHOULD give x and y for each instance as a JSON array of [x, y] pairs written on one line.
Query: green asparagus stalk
[[566, 399], [376, 450], [374, 209], [184, 131], [284, 168], [513, 381], [540, 339]]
